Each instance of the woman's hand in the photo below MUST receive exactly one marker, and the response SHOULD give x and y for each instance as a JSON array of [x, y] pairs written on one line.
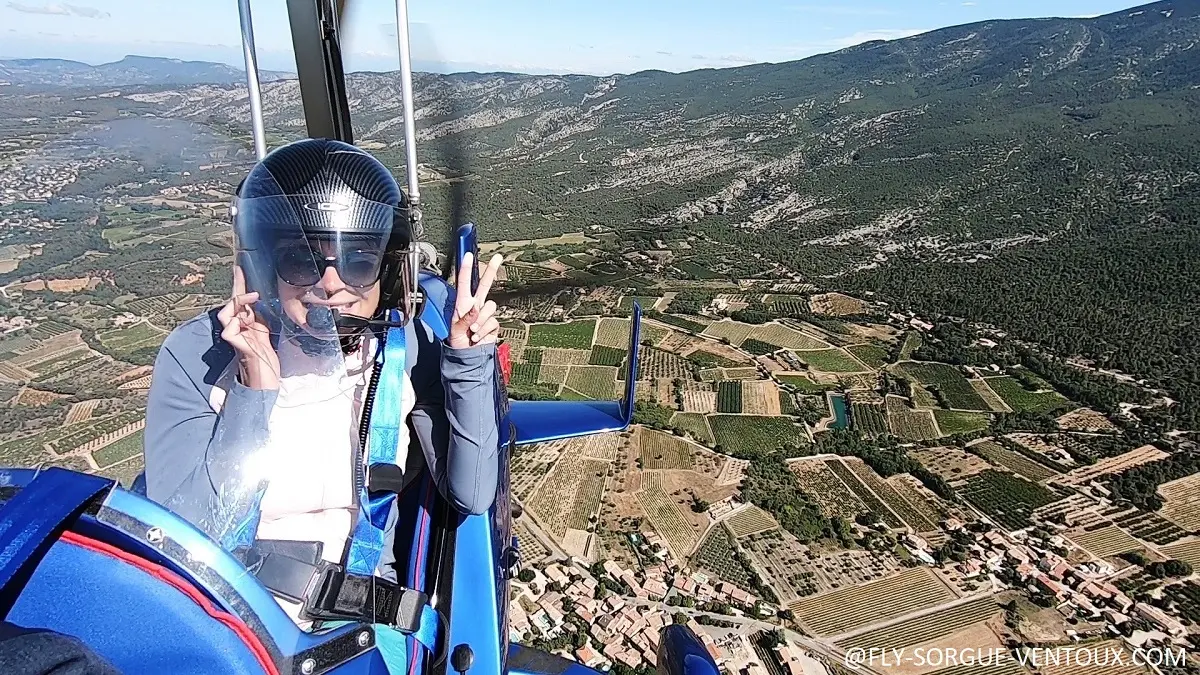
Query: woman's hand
[[474, 321], [248, 334]]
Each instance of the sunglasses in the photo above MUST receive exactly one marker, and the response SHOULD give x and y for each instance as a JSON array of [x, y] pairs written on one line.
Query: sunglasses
[[303, 265]]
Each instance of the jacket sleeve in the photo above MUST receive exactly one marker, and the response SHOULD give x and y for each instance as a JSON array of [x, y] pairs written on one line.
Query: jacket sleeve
[[455, 421], [193, 454]]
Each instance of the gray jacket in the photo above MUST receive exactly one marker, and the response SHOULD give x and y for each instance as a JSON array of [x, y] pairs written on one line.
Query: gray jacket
[[454, 419]]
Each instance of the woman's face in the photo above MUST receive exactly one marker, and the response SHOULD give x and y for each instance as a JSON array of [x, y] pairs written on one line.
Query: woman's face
[[330, 291]]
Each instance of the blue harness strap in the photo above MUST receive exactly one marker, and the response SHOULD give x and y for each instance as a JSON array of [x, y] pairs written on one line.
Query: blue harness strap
[[31, 521], [387, 416]]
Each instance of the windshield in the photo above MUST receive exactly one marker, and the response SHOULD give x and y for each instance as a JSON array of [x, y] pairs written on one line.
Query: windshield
[[290, 398]]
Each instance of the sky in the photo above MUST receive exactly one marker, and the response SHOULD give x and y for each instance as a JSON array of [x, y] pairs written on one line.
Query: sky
[[595, 37]]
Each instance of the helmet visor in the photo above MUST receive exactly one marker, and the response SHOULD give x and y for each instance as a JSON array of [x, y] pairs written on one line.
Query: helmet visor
[[299, 238]]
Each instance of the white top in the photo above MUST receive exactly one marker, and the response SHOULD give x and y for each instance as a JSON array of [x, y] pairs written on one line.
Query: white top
[[312, 438]]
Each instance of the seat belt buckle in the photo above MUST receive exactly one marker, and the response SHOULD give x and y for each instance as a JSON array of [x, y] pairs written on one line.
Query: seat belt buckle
[[324, 599], [410, 606]]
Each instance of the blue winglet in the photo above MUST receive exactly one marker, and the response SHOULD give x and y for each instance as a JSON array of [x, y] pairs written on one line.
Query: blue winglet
[[467, 239], [31, 521], [540, 421], [680, 652]]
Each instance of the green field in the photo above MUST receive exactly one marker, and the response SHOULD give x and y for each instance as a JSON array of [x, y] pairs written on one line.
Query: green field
[[729, 397], [1013, 461], [950, 385], [1006, 498], [696, 271], [123, 449], [695, 425], [660, 450], [525, 373], [1021, 399], [868, 419], [597, 382], [912, 342], [573, 335], [717, 554], [128, 339], [831, 361], [646, 301], [707, 359], [759, 348], [787, 403], [680, 322], [749, 436], [802, 384], [924, 628], [606, 356], [872, 355], [952, 422]]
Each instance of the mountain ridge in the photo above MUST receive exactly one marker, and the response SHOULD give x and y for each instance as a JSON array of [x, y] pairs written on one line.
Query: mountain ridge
[[915, 169], [130, 70]]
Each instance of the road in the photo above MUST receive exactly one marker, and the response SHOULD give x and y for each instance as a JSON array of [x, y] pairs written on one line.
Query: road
[[527, 518]]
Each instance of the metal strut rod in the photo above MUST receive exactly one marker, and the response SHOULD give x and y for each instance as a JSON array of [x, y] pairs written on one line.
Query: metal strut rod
[[316, 42], [252, 83], [406, 93]]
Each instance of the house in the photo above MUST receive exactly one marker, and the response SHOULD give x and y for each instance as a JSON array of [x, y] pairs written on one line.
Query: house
[[518, 620], [542, 622], [556, 575], [642, 644], [612, 569], [1114, 617], [652, 634], [1160, 618], [1049, 586], [655, 588], [1082, 602], [685, 585], [1060, 571], [629, 658], [588, 656]]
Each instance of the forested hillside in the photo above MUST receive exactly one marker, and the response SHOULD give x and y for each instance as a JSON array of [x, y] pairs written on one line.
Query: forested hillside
[[1038, 175]]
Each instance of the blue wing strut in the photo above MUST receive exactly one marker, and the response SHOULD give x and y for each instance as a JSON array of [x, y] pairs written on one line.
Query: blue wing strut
[[539, 421]]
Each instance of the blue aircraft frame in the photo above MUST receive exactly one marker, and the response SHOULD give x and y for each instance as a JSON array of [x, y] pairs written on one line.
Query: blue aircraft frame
[[82, 556]]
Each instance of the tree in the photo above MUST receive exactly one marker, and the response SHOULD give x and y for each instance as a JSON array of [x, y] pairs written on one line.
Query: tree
[[1178, 568], [526, 575]]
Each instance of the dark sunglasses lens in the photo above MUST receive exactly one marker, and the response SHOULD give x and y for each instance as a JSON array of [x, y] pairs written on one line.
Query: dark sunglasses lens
[[297, 265], [359, 268]]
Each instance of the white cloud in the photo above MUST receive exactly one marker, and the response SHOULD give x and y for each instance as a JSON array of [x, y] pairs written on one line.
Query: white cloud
[[60, 9]]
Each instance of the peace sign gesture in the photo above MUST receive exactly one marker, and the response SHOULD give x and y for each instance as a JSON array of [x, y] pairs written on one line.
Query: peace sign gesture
[[474, 321]]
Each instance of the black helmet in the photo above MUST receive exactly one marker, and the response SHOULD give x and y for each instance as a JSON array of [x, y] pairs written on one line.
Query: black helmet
[[320, 190]]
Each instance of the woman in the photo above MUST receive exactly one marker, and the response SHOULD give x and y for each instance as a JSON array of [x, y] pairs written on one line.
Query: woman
[[325, 263]]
